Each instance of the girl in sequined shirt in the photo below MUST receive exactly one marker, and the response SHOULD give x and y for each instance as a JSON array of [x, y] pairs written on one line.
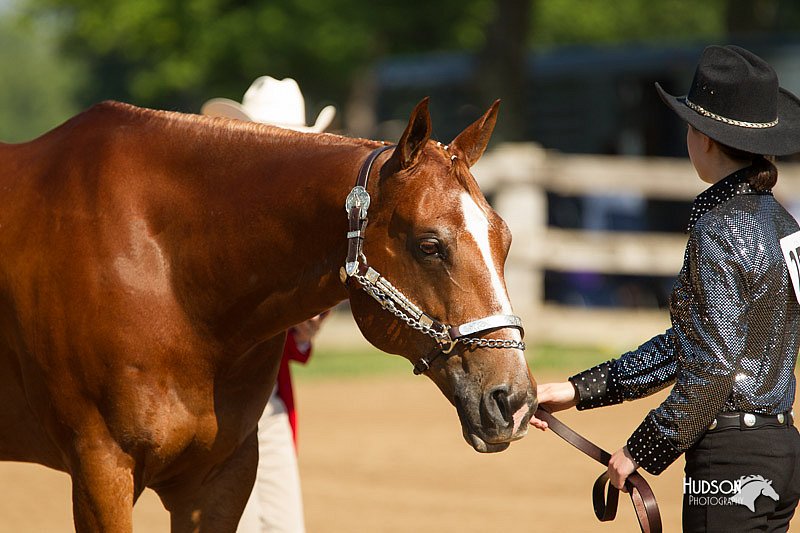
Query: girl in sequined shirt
[[731, 351]]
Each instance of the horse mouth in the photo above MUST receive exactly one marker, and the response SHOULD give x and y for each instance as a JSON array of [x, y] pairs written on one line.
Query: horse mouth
[[482, 446]]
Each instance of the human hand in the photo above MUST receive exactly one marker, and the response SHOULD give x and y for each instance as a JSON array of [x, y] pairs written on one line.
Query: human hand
[[620, 466], [554, 397], [304, 332]]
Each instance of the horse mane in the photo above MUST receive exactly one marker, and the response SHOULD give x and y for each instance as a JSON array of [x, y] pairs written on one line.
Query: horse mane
[[240, 132], [237, 130], [748, 479]]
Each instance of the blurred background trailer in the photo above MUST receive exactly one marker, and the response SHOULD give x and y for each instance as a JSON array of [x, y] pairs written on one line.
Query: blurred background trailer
[[576, 99]]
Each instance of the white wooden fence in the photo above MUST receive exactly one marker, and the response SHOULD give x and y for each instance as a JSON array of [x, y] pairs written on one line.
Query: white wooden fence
[[518, 177]]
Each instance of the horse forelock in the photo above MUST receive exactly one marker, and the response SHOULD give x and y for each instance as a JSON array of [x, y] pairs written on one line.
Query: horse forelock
[[439, 159]]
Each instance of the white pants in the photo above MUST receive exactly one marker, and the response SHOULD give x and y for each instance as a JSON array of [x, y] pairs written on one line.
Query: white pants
[[276, 503]]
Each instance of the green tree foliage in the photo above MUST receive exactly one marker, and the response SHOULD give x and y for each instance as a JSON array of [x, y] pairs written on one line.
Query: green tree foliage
[[174, 54], [38, 88], [560, 22], [177, 53]]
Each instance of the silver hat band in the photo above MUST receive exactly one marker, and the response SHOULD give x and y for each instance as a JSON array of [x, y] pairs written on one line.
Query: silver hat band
[[731, 121]]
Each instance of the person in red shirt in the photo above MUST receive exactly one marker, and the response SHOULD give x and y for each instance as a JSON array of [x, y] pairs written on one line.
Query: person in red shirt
[[297, 348]]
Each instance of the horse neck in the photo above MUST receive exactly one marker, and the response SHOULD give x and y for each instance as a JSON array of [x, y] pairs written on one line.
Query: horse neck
[[262, 233]]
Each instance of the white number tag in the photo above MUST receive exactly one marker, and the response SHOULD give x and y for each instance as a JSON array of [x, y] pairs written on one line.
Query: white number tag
[[791, 254]]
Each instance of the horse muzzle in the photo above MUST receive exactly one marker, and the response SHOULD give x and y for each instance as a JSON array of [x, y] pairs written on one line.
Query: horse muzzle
[[494, 418]]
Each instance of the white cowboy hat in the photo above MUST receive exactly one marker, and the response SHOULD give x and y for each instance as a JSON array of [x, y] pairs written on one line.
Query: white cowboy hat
[[271, 101]]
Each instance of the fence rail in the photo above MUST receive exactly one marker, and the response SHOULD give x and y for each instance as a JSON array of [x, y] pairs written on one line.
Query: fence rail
[[518, 177]]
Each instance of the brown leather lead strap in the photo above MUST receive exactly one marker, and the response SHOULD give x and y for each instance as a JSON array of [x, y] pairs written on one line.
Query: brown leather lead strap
[[605, 509]]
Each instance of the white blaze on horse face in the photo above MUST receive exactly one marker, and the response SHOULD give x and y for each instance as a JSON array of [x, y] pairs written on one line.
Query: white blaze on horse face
[[478, 227]]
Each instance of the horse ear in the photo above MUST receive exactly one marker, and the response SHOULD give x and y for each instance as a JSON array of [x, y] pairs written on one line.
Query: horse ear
[[472, 142], [416, 135]]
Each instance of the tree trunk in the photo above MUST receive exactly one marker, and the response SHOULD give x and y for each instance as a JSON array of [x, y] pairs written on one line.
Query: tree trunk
[[502, 66]]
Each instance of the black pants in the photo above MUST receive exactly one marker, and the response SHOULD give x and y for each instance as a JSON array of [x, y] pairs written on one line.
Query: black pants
[[727, 464]]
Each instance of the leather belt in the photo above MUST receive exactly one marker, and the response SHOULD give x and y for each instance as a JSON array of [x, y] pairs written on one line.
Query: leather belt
[[749, 421], [605, 509]]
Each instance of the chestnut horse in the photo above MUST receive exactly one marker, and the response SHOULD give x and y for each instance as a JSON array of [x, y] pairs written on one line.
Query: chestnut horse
[[152, 261]]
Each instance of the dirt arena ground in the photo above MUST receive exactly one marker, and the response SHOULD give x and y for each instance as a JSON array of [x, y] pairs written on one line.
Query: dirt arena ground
[[386, 455]]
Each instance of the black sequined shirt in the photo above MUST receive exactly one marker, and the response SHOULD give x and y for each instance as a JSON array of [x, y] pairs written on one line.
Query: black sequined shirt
[[735, 325]]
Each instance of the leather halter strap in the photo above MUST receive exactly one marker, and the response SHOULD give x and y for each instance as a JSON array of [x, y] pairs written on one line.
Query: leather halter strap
[[605, 509], [461, 334], [356, 206], [394, 301]]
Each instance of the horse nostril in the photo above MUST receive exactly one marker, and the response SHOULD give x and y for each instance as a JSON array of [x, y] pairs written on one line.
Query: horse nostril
[[501, 399], [497, 406]]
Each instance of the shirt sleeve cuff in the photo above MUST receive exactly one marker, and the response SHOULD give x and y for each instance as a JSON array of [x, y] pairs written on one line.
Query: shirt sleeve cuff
[[650, 448], [596, 387]]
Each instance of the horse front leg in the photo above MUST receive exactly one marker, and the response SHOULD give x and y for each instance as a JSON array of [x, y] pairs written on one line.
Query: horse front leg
[[102, 488], [212, 501]]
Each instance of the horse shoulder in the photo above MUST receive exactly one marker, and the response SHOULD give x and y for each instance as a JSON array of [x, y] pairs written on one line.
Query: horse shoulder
[[79, 253]]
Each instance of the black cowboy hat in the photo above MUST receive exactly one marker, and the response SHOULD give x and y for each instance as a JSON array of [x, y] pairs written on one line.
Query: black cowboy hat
[[735, 99]]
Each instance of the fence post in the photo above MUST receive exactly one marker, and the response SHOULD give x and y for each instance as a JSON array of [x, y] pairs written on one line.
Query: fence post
[[511, 175]]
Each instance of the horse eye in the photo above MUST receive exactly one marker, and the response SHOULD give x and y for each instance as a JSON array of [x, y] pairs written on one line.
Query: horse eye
[[429, 247]]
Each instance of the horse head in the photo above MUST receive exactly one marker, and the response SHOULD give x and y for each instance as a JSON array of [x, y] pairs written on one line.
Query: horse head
[[763, 486], [436, 251], [751, 487]]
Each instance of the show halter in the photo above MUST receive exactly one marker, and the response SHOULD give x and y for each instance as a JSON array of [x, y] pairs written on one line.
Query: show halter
[[395, 302]]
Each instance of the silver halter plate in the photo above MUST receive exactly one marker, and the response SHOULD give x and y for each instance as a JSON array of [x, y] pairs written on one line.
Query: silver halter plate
[[397, 303]]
